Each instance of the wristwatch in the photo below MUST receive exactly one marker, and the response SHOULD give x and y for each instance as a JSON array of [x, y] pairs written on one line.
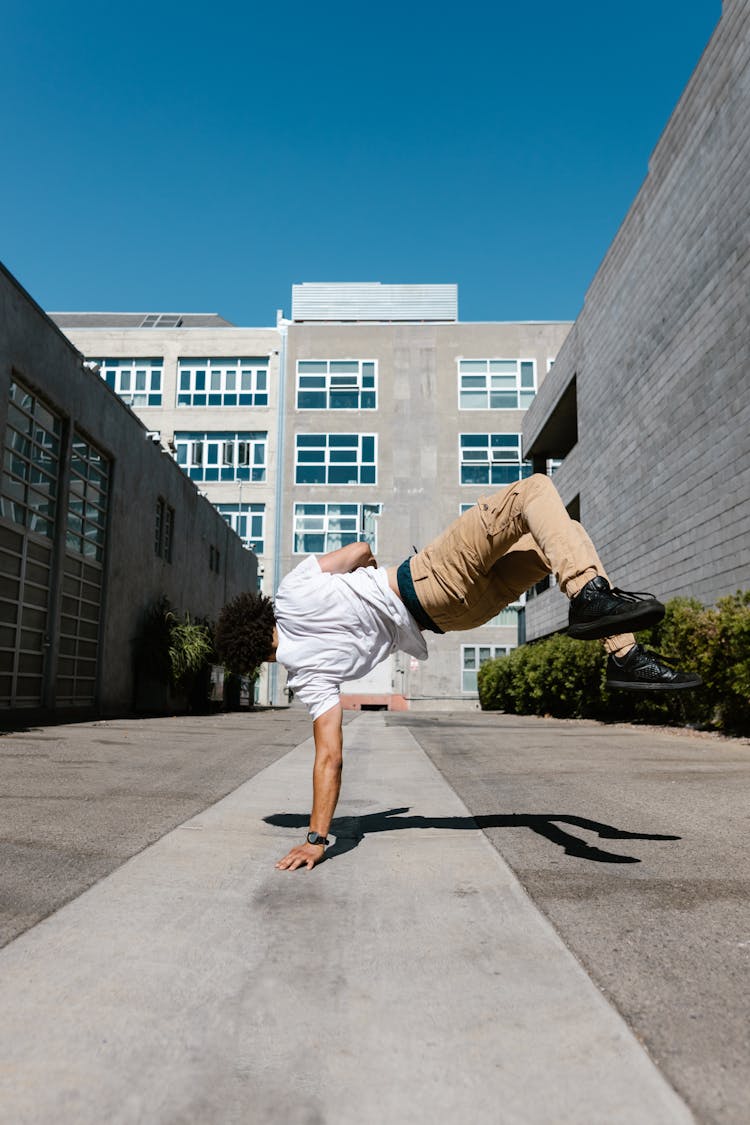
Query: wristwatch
[[316, 838]]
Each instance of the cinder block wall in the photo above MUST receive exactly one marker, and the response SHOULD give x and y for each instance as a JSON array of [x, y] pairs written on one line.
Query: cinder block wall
[[661, 355]]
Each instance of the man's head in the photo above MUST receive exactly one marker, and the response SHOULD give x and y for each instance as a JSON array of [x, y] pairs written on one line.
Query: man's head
[[246, 633]]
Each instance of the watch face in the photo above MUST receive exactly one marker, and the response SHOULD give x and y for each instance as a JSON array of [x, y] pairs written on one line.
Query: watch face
[[316, 838]]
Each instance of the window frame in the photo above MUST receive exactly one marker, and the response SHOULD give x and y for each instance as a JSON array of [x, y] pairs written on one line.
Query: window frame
[[519, 389], [164, 529], [495, 650], [89, 498], [234, 512], [524, 467], [328, 463], [222, 397], [358, 533], [328, 374], [205, 452], [112, 369], [33, 462]]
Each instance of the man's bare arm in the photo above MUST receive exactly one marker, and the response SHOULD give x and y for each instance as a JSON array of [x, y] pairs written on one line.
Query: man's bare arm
[[347, 559], [329, 743]]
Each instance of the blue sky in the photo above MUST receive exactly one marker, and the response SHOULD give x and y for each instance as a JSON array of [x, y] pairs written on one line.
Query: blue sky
[[183, 157]]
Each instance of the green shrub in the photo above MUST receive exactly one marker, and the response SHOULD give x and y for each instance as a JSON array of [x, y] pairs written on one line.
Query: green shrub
[[173, 650], [567, 679], [730, 669]]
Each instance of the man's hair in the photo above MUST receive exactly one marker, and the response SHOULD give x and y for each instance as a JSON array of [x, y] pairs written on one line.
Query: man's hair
[[244, 633]]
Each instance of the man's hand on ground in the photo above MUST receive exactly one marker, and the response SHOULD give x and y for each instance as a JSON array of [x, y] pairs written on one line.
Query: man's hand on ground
[[306, 855]]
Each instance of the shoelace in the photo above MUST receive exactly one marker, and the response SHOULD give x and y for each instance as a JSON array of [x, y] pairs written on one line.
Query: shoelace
[[670, 661], [632, 596]]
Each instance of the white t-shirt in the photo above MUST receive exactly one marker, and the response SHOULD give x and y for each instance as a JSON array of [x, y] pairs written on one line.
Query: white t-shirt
[[337, 627]]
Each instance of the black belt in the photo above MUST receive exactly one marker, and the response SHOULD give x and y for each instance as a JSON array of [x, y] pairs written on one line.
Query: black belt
[[410, 599]]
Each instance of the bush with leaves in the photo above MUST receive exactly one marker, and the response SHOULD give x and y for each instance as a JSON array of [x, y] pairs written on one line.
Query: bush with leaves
[[565, 678], [244, 633], [171, 649]]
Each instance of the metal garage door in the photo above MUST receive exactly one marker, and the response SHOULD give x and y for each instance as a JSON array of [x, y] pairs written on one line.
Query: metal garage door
[[28, 507]]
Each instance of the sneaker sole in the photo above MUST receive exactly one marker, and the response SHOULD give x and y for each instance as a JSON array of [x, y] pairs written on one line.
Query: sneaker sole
[[630, 685], [640, 618]]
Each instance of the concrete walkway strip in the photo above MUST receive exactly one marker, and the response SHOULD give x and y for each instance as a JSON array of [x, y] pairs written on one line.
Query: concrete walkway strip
[[405, 980]]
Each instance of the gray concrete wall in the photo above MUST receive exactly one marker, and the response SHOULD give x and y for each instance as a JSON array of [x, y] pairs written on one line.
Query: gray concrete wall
[[33, 350], [661, 352], [418, 423]]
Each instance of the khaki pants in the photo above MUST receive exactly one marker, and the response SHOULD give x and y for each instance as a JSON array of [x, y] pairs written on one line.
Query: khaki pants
[[498, 549]]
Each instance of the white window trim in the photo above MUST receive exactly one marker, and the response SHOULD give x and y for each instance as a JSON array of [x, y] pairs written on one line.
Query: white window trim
[[254, 364], [488, 360], [490, 460], [496, 650], [236, 441], [152, 365], [326, 516], [359, 376], [326, 450], [251, 510]]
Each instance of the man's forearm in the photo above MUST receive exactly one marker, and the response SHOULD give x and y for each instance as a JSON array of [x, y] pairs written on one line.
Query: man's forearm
[[329, 746], [326, 788], [346, 559]]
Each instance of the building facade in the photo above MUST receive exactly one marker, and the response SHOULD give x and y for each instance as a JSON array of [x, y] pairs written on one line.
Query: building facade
[[97, 524], [207, 393], [396, 418], [649, 399], [378, 415]]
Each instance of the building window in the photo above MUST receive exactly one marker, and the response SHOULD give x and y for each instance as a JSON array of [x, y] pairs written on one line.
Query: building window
[[28, 494], [248, 520], [336, 384], [159, 526], [87, 500], [222, 456], [335, 459], [164, 530], [214, 559], [506, 618], [168, 533], [223, 382], [136, 381], [492, 459], [472, 658], [319, 528], [496, 384]]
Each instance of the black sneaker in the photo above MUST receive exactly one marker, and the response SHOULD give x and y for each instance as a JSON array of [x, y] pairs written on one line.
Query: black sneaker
[[600, 610], [642, 670]]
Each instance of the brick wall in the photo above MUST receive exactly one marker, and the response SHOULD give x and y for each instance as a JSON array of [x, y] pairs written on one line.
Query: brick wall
[[661, 352]]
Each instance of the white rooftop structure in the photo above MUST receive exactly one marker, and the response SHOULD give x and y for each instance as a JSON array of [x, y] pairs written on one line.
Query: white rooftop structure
[[372, 301]]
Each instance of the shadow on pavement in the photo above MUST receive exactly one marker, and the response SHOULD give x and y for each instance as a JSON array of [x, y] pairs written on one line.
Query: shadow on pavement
[[351, 830]]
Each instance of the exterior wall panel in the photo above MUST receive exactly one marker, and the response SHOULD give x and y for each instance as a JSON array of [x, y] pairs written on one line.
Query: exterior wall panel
[[133, 577], [661, 354], [418, 425]]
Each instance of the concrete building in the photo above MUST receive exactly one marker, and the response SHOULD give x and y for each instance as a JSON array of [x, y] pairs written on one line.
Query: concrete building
[[207, 391], [374, 413], [649, 399], [395, 417], [96, 525]]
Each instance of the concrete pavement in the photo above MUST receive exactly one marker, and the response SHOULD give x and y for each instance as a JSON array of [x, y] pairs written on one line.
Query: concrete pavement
[[633, 841], [407, 978]]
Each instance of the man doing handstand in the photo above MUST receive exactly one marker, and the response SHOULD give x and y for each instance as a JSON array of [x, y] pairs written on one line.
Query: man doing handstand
[[337, 616]]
